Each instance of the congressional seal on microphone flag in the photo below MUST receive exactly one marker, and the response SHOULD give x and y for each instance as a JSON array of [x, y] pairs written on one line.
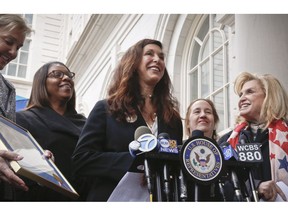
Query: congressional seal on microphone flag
[[201, 159]]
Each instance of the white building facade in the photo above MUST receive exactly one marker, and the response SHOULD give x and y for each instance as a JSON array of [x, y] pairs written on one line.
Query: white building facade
[[204, 52]]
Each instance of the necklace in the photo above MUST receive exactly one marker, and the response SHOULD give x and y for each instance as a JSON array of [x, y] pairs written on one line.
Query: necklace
[[147, 96]]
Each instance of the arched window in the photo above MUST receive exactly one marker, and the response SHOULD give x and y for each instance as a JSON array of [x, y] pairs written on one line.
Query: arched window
[[209, 65]]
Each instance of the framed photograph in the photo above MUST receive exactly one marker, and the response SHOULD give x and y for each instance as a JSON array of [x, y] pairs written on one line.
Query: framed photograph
[[34, 165]]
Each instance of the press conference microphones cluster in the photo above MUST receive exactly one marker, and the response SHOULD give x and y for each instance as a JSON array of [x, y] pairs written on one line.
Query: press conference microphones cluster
[[245, 157], [160, 159], [168, 166]]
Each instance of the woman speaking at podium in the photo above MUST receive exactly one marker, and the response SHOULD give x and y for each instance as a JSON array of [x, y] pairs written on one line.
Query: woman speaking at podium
[[139, 95]]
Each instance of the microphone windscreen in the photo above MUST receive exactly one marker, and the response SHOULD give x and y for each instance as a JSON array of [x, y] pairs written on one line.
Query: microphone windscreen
[[224, 145], [197, 133], [179, 147], [140, 131], [163, 136]]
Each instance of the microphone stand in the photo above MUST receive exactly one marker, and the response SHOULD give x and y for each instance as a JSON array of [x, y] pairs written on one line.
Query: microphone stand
[[182, 186], [196, 192], [148, 179], [251, 180], [166, 181], [158, 186], [175, 188], [221, 188], [236, 186], [252, 185]]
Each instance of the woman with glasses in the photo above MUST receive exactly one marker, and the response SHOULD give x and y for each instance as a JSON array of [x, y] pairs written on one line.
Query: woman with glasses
[[52, 120]]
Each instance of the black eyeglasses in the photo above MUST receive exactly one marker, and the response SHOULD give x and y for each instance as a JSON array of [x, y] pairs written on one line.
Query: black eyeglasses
[[60, 74]]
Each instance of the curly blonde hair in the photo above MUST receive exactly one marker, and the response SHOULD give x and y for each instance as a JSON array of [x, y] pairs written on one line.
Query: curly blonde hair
[[275, 105]]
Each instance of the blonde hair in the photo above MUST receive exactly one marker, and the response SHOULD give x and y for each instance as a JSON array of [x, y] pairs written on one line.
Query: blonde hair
[[275, 105], [14, 21]]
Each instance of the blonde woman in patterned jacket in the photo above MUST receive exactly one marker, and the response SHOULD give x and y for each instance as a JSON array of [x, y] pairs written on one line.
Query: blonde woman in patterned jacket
[[263, 108]]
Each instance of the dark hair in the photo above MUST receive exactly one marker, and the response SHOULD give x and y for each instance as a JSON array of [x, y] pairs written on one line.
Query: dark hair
[[215, 115], [39, 96], [124, 92]]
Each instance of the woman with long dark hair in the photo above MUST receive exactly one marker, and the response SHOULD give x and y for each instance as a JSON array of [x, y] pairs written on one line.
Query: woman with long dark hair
[[139, 95]]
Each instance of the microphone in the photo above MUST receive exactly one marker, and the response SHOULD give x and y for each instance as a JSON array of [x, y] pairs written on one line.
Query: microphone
[[167, 145], [251, 177], [169, 151], [163, 139], [134, 148], [197, 133], [231, 158], [236, 185], [148, 142], [140, 131], [145, 142], [245, 155], [228, 152], [182, 186], [202, 160]]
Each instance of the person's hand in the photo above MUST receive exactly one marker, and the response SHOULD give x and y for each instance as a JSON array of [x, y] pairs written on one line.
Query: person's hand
[[6, 173], [48, 154], [269, 190]]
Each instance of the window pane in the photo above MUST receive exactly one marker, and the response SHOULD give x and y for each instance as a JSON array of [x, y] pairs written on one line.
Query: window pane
[[22, 71], [195, 54], [218, 100], [205, 90], [226, 31], [205, 49], [217, 40], [29, 18], [226, 57], [11, 69], [3, 71], [194, 85], [218, 70], [204, 29], [16, 59], [23, 58], [26, 45]]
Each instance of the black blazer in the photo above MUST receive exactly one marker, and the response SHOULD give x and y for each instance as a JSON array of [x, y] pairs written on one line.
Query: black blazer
[[102, 151], [56, 133]]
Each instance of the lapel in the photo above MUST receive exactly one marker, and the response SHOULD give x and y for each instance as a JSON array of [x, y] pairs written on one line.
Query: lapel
[[57, 122], [7, 99], [140, 122]]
